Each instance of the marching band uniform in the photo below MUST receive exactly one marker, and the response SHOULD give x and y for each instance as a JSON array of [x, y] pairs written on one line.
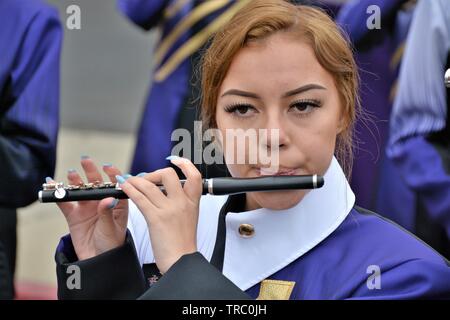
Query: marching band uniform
[[418, 193], [30, 44], [322, 248], [186, 26], [378, 53]]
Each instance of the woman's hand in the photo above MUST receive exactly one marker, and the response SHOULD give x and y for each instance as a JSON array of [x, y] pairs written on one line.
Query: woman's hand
[[95, 226], [172, 219]]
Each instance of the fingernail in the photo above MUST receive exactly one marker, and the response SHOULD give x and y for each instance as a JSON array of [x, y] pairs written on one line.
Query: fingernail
[[173, 158], [84, 157], [107, 164], [141, 174], [126, 176], [71, 171], [120, 179], [113, 204], [48, 179]]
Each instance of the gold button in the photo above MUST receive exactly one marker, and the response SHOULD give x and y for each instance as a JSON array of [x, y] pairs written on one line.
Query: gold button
[[246, 230]]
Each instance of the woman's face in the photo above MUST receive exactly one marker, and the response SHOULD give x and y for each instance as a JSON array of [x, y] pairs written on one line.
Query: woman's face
[[278, 83]]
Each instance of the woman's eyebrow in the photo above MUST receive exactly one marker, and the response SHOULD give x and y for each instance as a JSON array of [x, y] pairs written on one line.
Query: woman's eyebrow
[[241, 93], [304, 88], [290, 93]]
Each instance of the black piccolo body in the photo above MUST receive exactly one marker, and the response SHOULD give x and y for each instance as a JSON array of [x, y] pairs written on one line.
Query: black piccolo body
[[57, 192]]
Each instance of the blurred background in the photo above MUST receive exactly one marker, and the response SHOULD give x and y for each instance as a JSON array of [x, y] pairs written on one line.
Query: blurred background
[[105, 76]]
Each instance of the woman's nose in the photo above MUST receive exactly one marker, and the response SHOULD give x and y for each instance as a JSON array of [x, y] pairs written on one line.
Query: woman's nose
[[276, 133]]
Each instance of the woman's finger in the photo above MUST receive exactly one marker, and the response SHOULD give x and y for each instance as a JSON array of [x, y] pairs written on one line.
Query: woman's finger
[[109, 211], [148, 189], [169, 179], [193, 186], [93, 175], [74, 178], [111, 171], [134, 188]]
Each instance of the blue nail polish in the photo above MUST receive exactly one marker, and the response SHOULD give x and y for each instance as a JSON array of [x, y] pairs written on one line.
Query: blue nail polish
[[173, 157], [126, 176], [113, 204], [84, 157], [141, 174], [120, 179], [107, 165], [48, 179], [71, 171]]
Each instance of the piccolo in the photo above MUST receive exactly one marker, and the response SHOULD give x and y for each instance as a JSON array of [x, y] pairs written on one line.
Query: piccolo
[[447, 78], [58, 192]]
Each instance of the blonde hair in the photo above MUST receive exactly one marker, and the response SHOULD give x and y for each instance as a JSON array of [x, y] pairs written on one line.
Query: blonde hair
[[258, 20]]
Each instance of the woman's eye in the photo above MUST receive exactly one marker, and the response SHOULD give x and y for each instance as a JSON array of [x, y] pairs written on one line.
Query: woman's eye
[[305, 106], [240, 109]]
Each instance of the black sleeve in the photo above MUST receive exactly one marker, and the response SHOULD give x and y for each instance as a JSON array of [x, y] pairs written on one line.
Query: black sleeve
[[6, 290], [115, 274], [192, 277]]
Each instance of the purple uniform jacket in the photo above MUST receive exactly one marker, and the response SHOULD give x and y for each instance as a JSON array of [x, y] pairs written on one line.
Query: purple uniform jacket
[[30, 41]]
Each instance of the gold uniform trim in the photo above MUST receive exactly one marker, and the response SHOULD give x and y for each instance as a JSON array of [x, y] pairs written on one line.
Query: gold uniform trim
[[196, 42], [393, 91], [397, 56], [275, 290], [197, 14], [174, 8]]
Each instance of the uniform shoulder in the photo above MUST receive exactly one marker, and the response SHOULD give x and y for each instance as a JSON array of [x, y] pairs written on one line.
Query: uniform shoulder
[[387, 237], [367, 244], [20, 17], [28, 8]]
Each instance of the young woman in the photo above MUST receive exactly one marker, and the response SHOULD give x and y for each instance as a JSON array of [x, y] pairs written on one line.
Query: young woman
[[279, 67]]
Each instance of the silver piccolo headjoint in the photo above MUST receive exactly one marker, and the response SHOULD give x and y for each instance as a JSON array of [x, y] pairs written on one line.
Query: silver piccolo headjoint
[[447, 78]]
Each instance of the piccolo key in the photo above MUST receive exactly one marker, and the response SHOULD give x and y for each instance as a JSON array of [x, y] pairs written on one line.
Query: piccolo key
[[58, 192]]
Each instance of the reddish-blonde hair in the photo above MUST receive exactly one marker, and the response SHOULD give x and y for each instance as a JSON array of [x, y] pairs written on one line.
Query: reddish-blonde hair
[[258, 20]]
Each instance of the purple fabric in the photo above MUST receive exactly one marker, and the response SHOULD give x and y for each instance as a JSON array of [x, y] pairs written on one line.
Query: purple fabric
[[395, 199], [30, 44], [421, 106], [166, 98], [144, 13], [377, 80], [371, 137], [158, 121], [65, 247], [337, 267], [353, 16], [421, 169]]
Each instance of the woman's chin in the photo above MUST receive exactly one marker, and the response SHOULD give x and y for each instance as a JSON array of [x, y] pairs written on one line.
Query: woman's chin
[[276, 200]]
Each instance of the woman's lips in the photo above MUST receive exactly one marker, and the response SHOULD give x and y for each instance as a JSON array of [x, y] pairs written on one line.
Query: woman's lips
[[279, 172]]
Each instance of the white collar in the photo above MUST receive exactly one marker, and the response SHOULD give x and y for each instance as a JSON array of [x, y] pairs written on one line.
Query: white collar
[[282, 236]]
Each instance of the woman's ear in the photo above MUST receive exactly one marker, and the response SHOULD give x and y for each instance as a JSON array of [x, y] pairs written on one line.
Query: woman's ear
[[343, 124]]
